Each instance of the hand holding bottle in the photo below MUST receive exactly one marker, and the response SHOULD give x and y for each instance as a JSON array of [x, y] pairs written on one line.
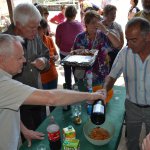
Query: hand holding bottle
[[103, 92]]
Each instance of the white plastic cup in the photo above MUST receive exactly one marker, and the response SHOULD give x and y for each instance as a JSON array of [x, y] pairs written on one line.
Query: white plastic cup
[[76, 110]]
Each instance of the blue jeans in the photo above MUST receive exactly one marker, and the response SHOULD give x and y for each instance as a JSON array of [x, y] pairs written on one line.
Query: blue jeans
[[50, 85], [135, 116]]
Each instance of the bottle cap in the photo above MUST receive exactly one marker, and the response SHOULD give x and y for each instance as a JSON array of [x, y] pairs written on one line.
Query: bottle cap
[[70, 127], [89, 74], [90, 89], [52, 120]]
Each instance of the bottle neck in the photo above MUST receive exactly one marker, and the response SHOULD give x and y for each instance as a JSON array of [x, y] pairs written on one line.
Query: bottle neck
[[52, 120]]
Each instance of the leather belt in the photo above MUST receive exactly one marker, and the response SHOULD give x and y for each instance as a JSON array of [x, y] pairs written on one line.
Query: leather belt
[[142, 106]]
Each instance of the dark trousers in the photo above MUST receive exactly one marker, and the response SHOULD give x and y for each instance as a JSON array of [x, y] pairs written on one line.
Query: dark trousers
[[32, 116], [135, 116], [67, 73], [51, 85]]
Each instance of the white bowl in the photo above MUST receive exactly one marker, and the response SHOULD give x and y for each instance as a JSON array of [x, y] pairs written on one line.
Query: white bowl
[[88, 126]]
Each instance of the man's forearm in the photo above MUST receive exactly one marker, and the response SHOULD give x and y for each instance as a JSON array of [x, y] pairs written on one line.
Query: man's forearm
[[109, 83], [60, 97]]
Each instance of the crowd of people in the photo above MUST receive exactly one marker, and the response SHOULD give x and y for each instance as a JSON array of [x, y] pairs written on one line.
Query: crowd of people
[[29, 75]]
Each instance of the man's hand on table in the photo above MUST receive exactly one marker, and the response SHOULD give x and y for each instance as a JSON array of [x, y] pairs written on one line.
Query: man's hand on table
[[30, 134]]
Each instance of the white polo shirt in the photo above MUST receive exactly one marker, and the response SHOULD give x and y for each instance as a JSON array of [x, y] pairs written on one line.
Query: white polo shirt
[[136, 75], [12, 96]]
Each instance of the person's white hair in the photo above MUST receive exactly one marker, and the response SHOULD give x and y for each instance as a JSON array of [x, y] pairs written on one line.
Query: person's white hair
[[7, 43], [25, 12]]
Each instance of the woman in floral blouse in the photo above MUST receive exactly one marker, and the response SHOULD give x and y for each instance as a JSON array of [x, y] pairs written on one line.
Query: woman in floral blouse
[[97, 36]]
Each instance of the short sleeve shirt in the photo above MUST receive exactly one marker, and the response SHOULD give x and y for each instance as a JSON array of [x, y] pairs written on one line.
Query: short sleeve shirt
[[12, 96], [136, 75]]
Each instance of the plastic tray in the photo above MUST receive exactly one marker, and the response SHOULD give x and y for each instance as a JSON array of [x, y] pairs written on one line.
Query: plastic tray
[[78, 60]]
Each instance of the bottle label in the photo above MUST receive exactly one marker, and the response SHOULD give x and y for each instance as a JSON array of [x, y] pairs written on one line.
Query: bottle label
[[98, 108], [54, 136], [53, 132]]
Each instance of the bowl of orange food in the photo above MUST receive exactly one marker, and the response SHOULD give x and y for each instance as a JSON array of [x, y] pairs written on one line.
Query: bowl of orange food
[[99, 135]]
